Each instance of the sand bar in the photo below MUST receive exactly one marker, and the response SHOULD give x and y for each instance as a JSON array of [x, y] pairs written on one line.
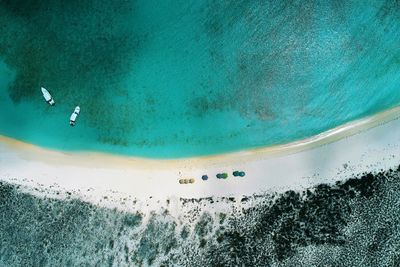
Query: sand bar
[[368, 144]]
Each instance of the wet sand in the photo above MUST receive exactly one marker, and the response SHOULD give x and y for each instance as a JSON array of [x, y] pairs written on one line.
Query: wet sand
[[368, 144]]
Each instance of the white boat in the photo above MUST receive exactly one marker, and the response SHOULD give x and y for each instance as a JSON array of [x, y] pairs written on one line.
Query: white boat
[[74, 115], [47, 96]]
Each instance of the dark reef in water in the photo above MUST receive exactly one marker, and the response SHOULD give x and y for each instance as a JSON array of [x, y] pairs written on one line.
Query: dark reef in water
[[61, 44], [275, 69], [351, 223]]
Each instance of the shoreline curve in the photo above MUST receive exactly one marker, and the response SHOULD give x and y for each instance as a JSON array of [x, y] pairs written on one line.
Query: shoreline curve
[[332, 155], [326, 137]]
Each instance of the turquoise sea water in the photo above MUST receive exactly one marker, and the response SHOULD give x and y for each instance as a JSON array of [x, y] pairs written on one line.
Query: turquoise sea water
[[183, 78]]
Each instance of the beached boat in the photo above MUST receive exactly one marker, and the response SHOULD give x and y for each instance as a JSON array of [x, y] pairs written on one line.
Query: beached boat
[[74, 115], [47, 96]]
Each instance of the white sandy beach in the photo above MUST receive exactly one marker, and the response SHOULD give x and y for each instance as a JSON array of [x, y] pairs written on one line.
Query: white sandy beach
[[369, 144]]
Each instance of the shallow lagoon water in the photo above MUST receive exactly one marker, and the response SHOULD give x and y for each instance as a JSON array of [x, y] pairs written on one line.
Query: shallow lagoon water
[[185, 78]]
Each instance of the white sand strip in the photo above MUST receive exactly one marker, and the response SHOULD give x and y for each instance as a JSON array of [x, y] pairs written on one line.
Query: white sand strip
[[368, 144]]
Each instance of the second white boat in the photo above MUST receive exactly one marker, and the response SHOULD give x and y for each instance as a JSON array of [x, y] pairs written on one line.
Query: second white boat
[[74, 115]]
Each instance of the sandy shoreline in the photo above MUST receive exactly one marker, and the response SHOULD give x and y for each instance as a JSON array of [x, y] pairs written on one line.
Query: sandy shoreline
[[368, 144]]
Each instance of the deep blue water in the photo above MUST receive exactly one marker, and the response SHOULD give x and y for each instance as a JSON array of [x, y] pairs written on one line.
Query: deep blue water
[[183, 78]]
